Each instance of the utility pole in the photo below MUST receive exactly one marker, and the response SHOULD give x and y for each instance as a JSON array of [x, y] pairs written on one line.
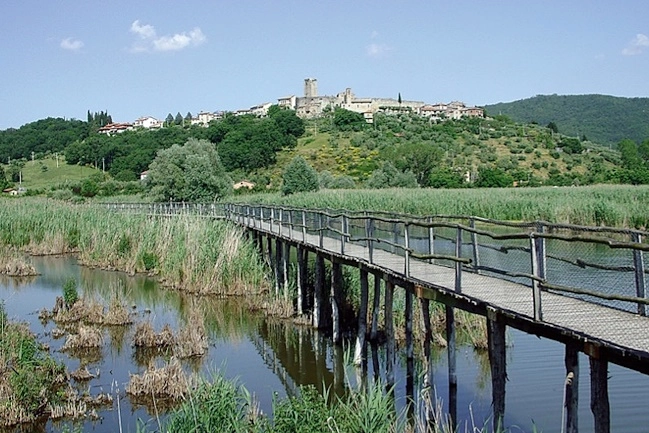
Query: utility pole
[[103, 165]]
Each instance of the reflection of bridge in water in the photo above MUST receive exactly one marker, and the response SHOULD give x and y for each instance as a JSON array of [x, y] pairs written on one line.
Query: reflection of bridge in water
[[298, 356], [582, 286]]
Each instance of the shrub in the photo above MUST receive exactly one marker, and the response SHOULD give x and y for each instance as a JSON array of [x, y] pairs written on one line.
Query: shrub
[[299, 176], [70, 294]]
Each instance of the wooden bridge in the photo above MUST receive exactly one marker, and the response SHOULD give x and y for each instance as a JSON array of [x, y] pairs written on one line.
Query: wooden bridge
[[582, 286]]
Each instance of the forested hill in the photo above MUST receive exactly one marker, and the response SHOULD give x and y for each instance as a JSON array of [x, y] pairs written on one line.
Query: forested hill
[[602, 119]]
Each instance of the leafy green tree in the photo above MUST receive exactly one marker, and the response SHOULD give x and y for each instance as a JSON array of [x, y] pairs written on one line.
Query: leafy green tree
[[629, 153], [493, 177], [169, 120], [178, 120], [287, 121], [188, 118], [553, 127], [299, 176], [345, 120], [3, 178], [417, 157], [388, 176], [192, 172], [445, 177]]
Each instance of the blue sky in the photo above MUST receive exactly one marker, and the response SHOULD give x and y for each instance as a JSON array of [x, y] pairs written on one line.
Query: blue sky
[[138, 58]]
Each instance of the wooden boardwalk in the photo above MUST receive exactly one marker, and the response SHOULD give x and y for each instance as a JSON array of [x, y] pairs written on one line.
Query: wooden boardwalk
[[624, 335]]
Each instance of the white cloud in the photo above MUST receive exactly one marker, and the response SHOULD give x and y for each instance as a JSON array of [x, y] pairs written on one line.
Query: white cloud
[[179, 40], [377, 50], [150, 41], [71, 44], [637, 45], [144, 31]]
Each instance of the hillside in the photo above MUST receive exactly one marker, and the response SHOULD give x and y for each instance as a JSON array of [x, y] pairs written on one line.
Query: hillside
[[601, 118], [526, 154]]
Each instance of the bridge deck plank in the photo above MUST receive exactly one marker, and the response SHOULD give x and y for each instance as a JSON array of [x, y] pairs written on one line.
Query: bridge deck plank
[[593, 321]]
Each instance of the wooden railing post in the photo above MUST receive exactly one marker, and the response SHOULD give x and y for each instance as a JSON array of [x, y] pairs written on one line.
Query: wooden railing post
[[272, 219], [536, 288], [458, 265], [431, 239], [474, 243], [321, 230], [303, 225], [638, 267], [369, 234], [290, 223], [406, 250], [343, 235], [280, 221]]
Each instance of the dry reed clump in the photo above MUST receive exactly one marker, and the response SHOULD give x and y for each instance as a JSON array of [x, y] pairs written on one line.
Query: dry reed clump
[[279, 307], [192, 340], [14, 264], [117, 314], [17, 268], [145, 336], [87, 337], [82, 374], [169, 381]]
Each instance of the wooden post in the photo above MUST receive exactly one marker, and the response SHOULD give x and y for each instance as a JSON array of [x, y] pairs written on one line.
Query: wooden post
[[359, 352], [279, 266], [497, 360], [376, 307], [452, 365], [638, 265], [458, 265], [343, 233], [427, 392], [389, 334], [303, 225], [431, 240], [536, 288], [408, 319], [318, 292], [369, 234], [285, 262], [302, 259], [406, 250], [571, 388], [474, 243], [599, 394], [335, 299], [410, 361], [321, 230]]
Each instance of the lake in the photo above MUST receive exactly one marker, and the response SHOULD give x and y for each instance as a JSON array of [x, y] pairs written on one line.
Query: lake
[[273, 358]]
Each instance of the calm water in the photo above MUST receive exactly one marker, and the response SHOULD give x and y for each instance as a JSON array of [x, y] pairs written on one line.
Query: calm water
[[274, 358]]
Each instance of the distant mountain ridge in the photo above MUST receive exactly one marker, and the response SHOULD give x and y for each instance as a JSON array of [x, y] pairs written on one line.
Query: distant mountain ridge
[[602, 119]]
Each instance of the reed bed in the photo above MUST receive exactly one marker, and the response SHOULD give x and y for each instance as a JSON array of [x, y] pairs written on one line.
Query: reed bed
[[14, 263], [192, 339], [169, 381], [87, 337], [145, 336], [29, 376], [187, 253], [609, 205]]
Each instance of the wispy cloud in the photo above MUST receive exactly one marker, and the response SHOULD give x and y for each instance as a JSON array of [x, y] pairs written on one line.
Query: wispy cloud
[[148, 39], [375, 49], [637, 45], [71, 44]]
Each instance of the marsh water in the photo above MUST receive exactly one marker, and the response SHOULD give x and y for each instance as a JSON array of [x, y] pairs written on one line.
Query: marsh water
[[273, 358]]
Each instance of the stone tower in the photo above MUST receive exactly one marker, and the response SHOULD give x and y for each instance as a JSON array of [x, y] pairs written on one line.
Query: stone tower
[[310, 87]]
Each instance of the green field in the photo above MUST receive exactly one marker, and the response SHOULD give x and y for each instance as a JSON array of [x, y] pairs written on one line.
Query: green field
[[43, 174]]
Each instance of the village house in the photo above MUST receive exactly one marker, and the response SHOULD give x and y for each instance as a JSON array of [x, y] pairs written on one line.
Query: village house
[[115, 128], [148, 122]]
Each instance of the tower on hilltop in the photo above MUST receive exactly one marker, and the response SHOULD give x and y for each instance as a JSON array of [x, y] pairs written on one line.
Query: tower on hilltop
[[310, 87]]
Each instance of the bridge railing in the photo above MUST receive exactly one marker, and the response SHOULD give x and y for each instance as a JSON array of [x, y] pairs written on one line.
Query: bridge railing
[[601, 265], [596, 264]]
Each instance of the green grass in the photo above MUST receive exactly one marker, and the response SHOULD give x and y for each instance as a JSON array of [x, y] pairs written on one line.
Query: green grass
[[35, 177], [609, 205]]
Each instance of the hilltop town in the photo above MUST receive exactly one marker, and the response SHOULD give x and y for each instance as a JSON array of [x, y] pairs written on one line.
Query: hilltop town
[[311, 105]]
